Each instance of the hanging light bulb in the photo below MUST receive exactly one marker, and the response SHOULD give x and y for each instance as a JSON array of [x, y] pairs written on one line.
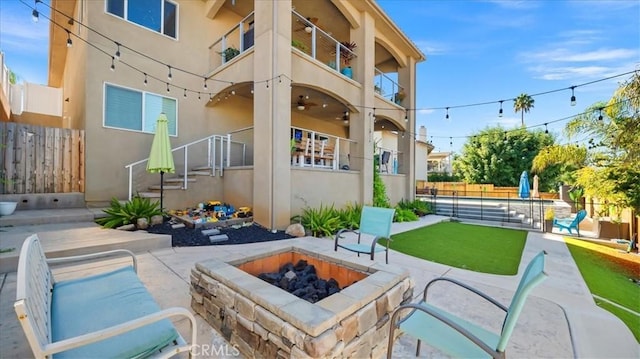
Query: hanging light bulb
[[145, 78], [546, 130], [500, 111], [198, 95], [267, 83], [447, 116], [117, 56], [169, 75], [451, 141], [505, 137], [233, 92], [205, 83], [252, 90], [35, 15], [406, 118], [600, 115], [113, 65], [573, 96], [324, 105], [185, 93], [168, 89], [69, 42]]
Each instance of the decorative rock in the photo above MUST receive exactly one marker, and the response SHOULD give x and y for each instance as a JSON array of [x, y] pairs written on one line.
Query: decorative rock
[[142, 223], [296, 230], [177, 225], [127, 227], [218, 238], [157, 219], [210, 232]]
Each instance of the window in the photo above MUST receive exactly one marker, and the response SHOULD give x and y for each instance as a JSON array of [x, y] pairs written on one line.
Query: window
[[157, 15], [137, 111]]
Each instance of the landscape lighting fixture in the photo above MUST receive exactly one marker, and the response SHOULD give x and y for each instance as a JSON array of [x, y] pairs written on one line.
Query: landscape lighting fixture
[[500, 111], [573, 96], [69, 42]]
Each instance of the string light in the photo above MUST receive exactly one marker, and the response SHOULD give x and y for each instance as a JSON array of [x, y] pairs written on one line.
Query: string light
[[205, 83], [69, 42], [500, 111], [406, 118], [447, 116], [113, 65], [35, 15], [168, 89], [117, 56], [546, 130], [600, 115], [185, 93], [573, 96], [145, 79], [198, 95], [169, 76]]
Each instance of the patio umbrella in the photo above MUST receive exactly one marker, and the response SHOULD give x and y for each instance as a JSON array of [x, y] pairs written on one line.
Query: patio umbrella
[[535, 193], [161, 157], [523, 188]]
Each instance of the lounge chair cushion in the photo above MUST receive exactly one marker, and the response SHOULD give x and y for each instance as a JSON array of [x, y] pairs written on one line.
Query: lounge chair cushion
[[445, 338], [97, 302]]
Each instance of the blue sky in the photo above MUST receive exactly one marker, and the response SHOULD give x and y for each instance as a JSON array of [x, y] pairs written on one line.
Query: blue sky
[[477, 51]]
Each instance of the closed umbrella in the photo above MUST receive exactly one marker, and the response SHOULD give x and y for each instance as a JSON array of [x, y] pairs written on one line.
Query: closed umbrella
[[161, 157], [523, 188], [535, 193]]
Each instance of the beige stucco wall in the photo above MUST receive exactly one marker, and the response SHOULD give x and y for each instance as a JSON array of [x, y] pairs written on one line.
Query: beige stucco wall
[[312, 188]]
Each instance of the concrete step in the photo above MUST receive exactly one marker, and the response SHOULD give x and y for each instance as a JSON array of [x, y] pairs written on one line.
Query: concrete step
[[179, 180], [165, 187], [47, 216], [153, 195]]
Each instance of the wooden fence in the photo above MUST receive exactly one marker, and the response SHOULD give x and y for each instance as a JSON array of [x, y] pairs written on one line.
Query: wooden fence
[[474, 190], [36, 159]]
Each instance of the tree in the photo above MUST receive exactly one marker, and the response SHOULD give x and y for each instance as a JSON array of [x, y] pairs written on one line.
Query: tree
[[496, 156], [523, 103]]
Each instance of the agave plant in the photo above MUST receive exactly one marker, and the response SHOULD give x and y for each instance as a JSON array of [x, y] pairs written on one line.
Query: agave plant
[[120, 214]]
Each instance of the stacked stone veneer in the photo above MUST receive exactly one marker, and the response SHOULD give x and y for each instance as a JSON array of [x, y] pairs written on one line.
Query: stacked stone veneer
[[264, 321]]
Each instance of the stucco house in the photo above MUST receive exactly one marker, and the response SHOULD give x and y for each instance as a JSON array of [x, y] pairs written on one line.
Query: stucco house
[[271, 104]]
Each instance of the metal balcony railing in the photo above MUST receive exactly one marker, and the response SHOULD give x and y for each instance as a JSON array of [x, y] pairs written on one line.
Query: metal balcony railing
[[234, 42], [315, 42], [387, 87]]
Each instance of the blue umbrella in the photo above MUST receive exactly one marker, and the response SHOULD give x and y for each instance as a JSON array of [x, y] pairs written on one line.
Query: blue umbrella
[[523, 188]]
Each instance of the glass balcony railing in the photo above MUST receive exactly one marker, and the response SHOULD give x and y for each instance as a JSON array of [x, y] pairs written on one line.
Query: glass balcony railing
[[234, 42], [387, 87], [315, 42]]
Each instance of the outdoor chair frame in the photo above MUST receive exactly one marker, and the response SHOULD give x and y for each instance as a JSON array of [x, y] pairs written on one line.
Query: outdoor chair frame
[[375, 222]]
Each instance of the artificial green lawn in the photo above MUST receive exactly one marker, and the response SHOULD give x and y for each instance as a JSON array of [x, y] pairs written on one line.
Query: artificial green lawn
[[608, 280], [477, 248]]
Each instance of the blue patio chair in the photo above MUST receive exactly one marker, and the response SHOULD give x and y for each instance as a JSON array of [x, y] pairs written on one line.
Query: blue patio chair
[[571, 223], [456, 336], [375, 223]]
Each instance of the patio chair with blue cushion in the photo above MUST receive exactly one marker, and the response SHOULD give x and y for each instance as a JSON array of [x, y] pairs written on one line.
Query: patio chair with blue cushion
[[571, 223], [375, 224], [456, 336]]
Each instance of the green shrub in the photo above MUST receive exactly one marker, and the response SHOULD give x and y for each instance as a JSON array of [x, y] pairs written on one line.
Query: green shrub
[[420, 208], [321, 222], [380, 198], [129, 212], [404, 215], [350, 216]]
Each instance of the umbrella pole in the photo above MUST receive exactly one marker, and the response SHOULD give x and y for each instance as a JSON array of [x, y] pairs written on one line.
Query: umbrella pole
[[161, 190]]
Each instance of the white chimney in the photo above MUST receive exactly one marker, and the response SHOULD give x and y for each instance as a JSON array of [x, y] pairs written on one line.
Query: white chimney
[[422, 134]]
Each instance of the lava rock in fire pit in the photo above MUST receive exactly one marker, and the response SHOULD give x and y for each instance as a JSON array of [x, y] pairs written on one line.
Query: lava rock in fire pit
[[302, 281]]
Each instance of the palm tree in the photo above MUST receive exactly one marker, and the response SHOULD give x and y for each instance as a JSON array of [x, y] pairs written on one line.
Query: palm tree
[[523, 103]]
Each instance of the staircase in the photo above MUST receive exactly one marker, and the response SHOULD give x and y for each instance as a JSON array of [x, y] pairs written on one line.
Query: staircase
[[513, 213]]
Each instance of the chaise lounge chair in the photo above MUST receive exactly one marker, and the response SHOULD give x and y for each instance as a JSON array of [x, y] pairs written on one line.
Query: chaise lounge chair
[[571, 223]]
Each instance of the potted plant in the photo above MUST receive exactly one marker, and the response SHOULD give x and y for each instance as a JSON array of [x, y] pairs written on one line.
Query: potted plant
[[346, 53], [299, 45], [6, 207], [229, 53], [399, 96], [549, 215]]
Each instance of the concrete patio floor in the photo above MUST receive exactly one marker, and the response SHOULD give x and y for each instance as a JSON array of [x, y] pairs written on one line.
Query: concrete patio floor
[[559, 320]]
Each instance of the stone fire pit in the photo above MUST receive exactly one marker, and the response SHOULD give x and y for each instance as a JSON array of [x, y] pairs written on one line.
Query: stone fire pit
[[263, 320]]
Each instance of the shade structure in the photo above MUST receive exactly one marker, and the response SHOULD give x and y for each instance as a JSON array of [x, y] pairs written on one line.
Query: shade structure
[[535, 192], [161, 157], [523, 188]]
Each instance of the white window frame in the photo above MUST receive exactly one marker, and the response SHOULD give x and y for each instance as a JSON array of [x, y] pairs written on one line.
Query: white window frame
[[161, 32], [144, 98]]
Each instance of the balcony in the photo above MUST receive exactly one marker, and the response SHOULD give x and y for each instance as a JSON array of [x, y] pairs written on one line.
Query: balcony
[[386, 87], [234, 42]]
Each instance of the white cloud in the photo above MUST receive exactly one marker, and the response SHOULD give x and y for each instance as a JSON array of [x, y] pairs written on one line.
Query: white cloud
[[425, 111], [431, 48], [567, 55], [511, 4]]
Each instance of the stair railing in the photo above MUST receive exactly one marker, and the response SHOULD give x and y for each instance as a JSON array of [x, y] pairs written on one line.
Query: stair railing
[[218, 147]]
